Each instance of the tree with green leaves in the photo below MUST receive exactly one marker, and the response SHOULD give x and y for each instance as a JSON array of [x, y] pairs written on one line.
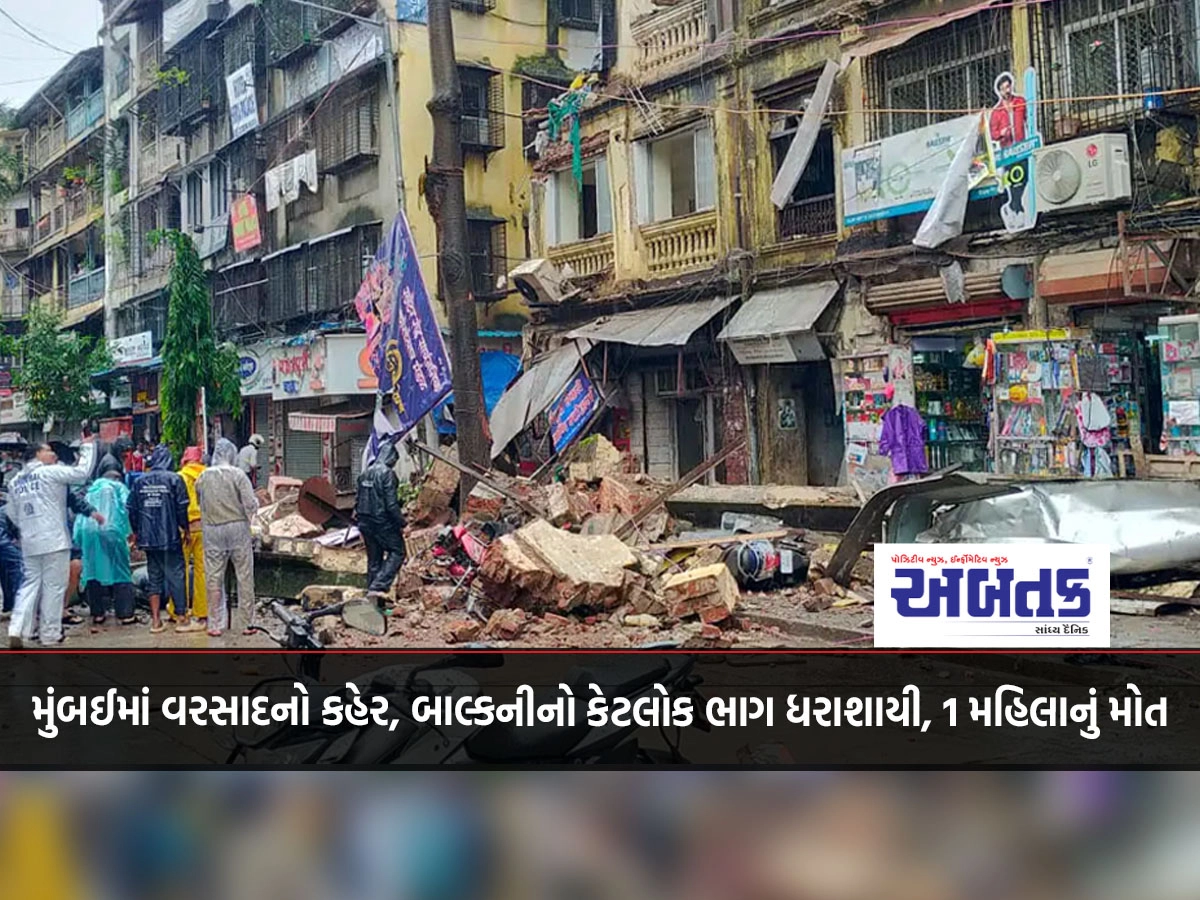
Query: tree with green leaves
[[56, 367], [193, 361]]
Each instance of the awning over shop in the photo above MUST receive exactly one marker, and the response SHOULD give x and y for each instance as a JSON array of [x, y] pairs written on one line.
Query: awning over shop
[[660, 326], [323, 423], [776, 326], [148, 365], [533, 392]]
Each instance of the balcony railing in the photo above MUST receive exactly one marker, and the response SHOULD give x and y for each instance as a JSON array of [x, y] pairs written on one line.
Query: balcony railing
[[14, 301], [158, 158], [50, 224], [590, 257], [14, 239], [82, 117], [812, 217], [83, 203], [48, 144], [681, 245], [672, 40], [83, 289], [149, 62]]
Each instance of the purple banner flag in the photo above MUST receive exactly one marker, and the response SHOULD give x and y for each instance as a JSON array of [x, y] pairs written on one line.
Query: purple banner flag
[[404, 343]]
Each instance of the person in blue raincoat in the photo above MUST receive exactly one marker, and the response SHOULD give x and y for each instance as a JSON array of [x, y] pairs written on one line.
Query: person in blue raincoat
[[107, 577]]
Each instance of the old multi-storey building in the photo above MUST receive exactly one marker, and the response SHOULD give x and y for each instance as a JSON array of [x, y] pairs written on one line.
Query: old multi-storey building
[[267, 131], [729, 293]]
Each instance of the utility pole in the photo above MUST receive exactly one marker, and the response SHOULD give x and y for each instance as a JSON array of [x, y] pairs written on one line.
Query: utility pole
[[447, 202]]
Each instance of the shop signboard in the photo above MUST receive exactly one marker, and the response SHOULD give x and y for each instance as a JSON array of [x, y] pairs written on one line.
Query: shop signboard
[[325, 366], [243, 104], [243, 217], [14, 409], [132, 349], [256, 364], [574, 408], [120, 395]]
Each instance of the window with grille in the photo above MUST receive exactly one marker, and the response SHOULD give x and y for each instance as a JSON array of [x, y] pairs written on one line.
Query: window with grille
[[941, 74], [482, 108], [241, 42], [349, 133], [812, 208], [238, 297], [473, 6], [1106, 59], [579, 13], [489, 262]]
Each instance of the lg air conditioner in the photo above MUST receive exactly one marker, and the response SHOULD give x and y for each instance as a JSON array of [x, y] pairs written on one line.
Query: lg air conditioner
[[1084, 172], [541, 282]]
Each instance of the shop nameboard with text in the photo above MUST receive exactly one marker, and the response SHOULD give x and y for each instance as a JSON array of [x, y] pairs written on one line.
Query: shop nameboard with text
[[256, 365], [133, 349], [1018, 596], [325, 366], [574, 408]]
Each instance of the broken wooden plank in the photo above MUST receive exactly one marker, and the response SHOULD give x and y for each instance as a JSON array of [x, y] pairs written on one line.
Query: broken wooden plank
[[1127, 607]]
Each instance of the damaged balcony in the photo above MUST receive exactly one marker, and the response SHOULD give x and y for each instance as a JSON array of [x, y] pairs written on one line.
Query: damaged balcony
[[671, 41], [676, 201], [578, 219]]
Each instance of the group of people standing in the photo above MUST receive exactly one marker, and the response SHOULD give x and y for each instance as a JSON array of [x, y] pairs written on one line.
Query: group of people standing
[[191, 524]]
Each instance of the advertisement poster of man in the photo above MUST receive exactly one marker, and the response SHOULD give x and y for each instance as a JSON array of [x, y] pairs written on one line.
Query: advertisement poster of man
[[1012, 131]]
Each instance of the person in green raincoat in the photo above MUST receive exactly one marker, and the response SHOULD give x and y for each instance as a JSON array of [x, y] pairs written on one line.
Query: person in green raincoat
[[106, 574]]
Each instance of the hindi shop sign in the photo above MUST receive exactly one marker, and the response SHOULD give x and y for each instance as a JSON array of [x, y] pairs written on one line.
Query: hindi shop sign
[[326, 366], [1026, 595], [572, 410]]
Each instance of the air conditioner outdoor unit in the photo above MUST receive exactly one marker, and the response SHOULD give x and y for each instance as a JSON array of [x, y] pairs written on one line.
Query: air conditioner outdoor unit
[[540, 281], [1083, 172]]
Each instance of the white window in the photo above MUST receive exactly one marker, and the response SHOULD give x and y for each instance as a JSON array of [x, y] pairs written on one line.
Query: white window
[[676, 175], [218, 190], [575, 213], [194, 198]]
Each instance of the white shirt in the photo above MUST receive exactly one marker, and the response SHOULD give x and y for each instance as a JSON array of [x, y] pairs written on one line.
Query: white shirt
[[248, 459]]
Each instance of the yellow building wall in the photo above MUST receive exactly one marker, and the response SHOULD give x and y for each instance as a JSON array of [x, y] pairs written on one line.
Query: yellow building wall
[[501, 180]]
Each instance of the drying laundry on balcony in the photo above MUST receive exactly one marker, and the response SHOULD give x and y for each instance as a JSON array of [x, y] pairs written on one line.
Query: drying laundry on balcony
[[283, 182]]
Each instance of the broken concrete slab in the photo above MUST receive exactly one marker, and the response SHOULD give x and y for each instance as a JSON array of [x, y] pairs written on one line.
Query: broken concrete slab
[[594, 458], [641, 620], [558, 504], [709, 592], [540, 566], [346, 560], [293, 526]]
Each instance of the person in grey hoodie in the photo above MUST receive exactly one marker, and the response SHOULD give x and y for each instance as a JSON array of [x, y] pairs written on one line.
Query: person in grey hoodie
[[38, 508], [227, 504]]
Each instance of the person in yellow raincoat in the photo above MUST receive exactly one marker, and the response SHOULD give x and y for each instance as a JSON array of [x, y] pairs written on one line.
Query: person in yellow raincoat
[[193, 547]]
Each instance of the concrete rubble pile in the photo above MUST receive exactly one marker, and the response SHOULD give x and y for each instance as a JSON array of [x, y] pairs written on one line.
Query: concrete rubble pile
[[602, 549]]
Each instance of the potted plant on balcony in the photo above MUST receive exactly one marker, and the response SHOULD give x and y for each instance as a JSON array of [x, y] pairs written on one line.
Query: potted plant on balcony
[[74, 177]]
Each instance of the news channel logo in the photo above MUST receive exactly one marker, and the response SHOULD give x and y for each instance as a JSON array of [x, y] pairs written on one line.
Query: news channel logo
[[967, 596]]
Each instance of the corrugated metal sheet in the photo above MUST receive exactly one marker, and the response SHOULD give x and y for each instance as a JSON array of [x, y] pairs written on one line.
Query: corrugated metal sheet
[[302, 454], [881, 298], [533, 392], [661, 326], [780, 311]]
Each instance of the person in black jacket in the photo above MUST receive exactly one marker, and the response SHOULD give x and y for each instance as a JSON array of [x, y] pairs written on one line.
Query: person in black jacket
[[381, 522], [12, 565], [158, 515]]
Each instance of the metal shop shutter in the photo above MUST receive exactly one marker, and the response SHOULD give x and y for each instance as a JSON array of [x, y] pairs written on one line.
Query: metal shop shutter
[[301, 454], [358, 446]]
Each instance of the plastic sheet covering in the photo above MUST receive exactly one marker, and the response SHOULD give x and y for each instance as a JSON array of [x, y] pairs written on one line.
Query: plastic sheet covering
[[1149, 525]]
